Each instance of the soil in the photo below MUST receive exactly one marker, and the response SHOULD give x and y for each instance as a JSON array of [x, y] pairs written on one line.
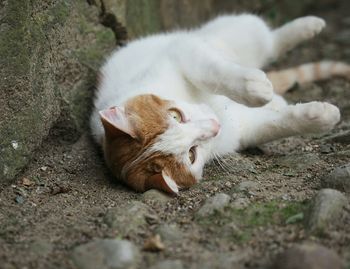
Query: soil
[[61, 199]]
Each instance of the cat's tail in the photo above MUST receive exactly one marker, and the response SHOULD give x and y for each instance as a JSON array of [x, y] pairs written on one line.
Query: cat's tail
[[284, 80]]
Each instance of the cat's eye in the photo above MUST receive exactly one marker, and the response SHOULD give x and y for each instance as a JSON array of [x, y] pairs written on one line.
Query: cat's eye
[[176, 115], [192, 154]]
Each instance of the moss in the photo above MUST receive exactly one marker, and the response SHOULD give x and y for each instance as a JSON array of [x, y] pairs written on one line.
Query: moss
[[80, 103], [60, 12], [256, 215], [93, 54], [13, 53], [143, 17]]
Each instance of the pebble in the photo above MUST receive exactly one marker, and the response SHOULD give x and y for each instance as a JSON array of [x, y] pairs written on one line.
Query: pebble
[[325, 149], [216, 202], [156, 196], [298, 162], [129, 218], [168, 264], [170, 232], [326, 208], [246, 186], [240, 203], [154, 243], [27, 182], [307, 256], [343, 137], [41, 247], [19, 199], [106, 254], [338, 179], [343, 37], [223, 260]]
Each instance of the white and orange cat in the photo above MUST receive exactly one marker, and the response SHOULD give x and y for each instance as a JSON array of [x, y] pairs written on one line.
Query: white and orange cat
[[166, 104]]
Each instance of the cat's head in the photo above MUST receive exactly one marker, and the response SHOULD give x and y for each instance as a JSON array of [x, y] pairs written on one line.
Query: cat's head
[[152, 143]]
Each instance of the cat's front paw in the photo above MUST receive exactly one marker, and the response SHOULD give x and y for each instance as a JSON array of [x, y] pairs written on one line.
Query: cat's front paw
[[318, 116], [310, 26], [259, 89]]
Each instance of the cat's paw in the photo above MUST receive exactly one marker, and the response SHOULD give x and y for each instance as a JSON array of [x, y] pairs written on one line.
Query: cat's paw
[[258, 88], [317, 116], [310, 26]]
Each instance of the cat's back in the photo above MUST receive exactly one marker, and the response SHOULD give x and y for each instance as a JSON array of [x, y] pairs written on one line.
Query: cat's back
[[144, 66], [140, 56]]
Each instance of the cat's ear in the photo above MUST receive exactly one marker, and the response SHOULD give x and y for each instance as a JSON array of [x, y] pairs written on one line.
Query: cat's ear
[[115, 122], [163, 182]]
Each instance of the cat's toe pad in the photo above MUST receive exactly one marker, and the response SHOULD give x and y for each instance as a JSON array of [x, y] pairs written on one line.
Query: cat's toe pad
[[258, 87], [319, 116]]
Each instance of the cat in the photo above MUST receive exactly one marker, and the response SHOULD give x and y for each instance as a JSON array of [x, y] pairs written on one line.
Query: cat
[[167, 104]]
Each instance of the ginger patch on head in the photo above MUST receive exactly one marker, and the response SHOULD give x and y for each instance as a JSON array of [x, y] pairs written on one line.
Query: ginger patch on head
[[130, 131]]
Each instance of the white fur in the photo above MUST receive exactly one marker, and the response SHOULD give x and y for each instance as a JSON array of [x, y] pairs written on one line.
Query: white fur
[[217, 66]]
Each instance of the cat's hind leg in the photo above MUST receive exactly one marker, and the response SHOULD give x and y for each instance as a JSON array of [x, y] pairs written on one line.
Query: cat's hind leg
[[291, 34], [266, 124]]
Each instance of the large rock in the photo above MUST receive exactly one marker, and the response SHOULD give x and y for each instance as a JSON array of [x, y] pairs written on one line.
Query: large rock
[[106, 254], [129, 219], [216, 202], [338, 179], [325, 209], [307, 256], [48, 52]]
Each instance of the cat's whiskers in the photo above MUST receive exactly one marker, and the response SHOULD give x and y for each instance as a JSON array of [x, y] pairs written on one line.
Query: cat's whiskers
[[221, 162]]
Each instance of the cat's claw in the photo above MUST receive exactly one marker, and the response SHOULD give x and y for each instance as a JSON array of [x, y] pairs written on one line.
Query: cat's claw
[[318, 116], [259, 89]]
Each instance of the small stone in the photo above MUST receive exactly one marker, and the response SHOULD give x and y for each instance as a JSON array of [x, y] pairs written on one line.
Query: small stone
[[326, 208], [14, 144], [61, 188], [325, 149], [41, 247], [27, 182], [217, 202], [338, 179], [307, 256], [170, 232], [129, 218], [240, 203], [343, 137], [155, 196], [43, 168], [222, 260], [106, 254], [343, 37], [246, 186], [153, 243], [19, 199], [346, 21], [298, 162], [168, 264]]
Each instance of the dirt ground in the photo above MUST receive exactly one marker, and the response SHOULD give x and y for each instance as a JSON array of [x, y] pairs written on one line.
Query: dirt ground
[[60, 201]]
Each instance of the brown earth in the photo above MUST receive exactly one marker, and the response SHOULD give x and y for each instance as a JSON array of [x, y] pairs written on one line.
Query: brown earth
[[62, 198]]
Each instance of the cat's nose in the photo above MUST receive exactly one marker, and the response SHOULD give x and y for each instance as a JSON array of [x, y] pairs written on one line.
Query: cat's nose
[[206, 128]]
